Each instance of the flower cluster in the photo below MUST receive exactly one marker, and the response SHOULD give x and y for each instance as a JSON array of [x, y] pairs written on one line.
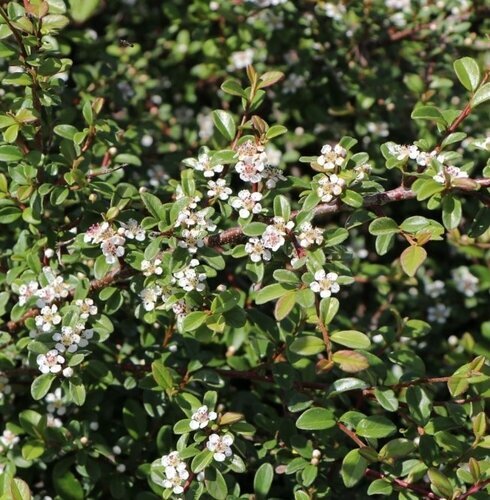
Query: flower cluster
[[252, 160], [176, 473], [111, 241], [272, 238], [55, 289]]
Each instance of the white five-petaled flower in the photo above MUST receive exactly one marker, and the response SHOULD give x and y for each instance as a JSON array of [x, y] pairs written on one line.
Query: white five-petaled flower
[[201, 418], [111, 242], [132, 230], [189, 279], [55, 402], [68, 340], [438, 313], [242, 58], [247, 203], [26, 291], [192, 239], [175, 472], [257, 251], [8, 439], [50, 362], [273, 238], [205, 165], [310, 235], [329, 187], [86, 307], [402, 153], [150, 267], [331, 158], [48, 318], [220, 446], [362, 171], [325, 283], [450, 172], [435, 288], [465, 282], [149, 296], [219, 189]]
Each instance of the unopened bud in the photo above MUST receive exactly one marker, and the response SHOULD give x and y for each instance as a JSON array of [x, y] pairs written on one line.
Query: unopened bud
[[92, 198]]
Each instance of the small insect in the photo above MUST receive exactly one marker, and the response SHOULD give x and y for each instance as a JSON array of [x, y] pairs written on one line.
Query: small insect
[[125, 43]]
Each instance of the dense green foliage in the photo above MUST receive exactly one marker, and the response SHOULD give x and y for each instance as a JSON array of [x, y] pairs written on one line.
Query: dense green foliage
[[245, 249]]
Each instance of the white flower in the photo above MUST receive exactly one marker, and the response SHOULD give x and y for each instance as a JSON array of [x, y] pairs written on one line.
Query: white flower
[[325, 283], [220, 446], [206, 126], [435, 288], [133, 231], [189, 279], [331, 158], [243, 58], [257, 251], [26, 291], [55, 402], [111, 242], [380, 129], [250, 169], [52, 421], [176, 472], [272, 238], [193, 239], [247, 203], [293, 83], [335, 11], [201, 418], [450, 172], [403, 152], [67, 372], [113, 248], [205, 165], [464, 281], [310, 235], [219, 189], [362, 171], [329, 187], [149, 296], [150, 267], [8, 439], [48, 318], [86, 307], [272, 175], [68, 340], [438, 314], [50, 362], [281, 226]]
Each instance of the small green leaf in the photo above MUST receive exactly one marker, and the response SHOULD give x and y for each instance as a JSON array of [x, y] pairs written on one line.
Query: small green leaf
[[468, 72], [41, 385], [284, 305], [270, 78], [383, 225], [428, 113], [440, 484], [315, 419], [201, 461], [275, 131], [353, 467], [482, 95], [351, 338], [162, 375], [451, 212], [232, 87], [307, 345], [375, 427], [412, 258], [263, 480], [350, 361], [224, 123]]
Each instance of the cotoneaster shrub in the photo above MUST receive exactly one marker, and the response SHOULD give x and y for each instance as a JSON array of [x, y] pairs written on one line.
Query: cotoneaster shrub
[[245, 249]]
